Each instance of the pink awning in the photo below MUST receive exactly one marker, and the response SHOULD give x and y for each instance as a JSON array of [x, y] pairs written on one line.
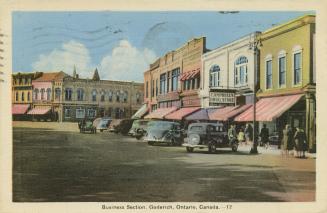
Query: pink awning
[[181, 113], [19, 109], [189, 74], [160, 113], [268, 109], [220, 114], [39, 111]]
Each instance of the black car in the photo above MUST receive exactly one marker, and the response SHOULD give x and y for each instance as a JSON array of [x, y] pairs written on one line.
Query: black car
[[124, 126], [138, 129], [208, 135], [87, 126]]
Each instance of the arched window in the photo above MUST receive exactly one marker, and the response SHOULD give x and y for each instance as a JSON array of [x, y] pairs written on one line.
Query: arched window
[[110, 96], [241, 70], [36, 94], [80, 94], [68, 94], [102, 96], [42, 94], [57, 93], [94, 95], [214, 76], [48, 94], [23, 98]]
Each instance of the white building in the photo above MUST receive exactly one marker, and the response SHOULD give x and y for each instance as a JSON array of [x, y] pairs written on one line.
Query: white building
[[227, 74]]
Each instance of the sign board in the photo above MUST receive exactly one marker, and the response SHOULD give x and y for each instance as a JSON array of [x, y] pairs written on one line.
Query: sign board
[[221, 98]]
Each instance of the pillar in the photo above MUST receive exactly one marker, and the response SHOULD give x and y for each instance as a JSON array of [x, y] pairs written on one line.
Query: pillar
[[310, 122]]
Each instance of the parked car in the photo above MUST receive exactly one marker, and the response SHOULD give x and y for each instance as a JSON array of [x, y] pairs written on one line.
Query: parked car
[[138, 129], [124, 126], [114, 124], [164, 132], [87, 126], [208, 135], [103, 124]]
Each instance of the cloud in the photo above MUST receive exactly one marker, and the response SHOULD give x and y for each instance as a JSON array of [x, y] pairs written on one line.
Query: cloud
[[69, 55], [126, 62]]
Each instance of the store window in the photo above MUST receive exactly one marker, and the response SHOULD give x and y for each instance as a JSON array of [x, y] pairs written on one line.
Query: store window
[[214, 76], [67, 112], [241, 71], [91, 113]]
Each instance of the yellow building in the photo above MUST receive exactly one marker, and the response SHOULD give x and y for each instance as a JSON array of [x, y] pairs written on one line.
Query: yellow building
[[287, 77]]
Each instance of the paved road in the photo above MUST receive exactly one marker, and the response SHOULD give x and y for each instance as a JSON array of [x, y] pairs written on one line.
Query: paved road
[[59, 166]]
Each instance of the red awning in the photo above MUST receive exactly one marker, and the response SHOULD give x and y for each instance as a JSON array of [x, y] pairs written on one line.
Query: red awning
[[189, 74], [19, 109], [39, 111], [181, 113], [220, 114], [268, 109], [160, 113]]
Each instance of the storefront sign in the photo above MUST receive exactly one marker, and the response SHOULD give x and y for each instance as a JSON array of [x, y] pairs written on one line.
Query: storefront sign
[[221, 98]]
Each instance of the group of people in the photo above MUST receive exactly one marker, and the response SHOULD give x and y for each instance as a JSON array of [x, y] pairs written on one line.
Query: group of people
[[290, 139]]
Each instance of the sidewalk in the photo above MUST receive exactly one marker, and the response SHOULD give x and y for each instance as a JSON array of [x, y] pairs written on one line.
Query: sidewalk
[[272, 150]]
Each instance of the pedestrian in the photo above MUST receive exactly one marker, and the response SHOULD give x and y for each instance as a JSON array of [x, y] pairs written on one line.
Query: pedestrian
[[232, 132], [248, 133], [241, 136], [300, 142], [264, 135], [287, 140]]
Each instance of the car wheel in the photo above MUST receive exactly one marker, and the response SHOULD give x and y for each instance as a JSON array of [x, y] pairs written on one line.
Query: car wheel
[[189, 149], [234, 148], [172, 142], [212, 148]]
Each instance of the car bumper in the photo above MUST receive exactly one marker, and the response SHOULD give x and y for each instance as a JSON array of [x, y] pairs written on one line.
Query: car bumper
[[162, 140]]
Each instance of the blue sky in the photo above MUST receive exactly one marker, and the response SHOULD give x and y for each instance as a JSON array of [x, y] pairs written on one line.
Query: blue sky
[[122, 44]]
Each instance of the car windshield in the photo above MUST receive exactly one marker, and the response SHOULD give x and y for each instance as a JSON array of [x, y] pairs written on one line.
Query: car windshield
[[196, 128], [161, 125], [104, 122]]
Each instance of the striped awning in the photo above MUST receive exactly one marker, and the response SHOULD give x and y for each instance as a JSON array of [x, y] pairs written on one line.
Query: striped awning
[[268, 109], [141, 112], [39, 111], [160, 113], [227, 113], [201, 115], [19, 109], [189, 74], [181, 113]]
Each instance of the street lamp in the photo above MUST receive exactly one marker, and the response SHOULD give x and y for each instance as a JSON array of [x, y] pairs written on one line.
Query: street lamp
[[255, 46]]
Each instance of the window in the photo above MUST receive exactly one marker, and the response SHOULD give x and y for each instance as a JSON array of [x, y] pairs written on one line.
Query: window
[[152, 88], [168, 80], [80, 113], [282, 70], [118, 96], [91, 113], [68, 94], [67, 112], [17, 96], [268, 74], [147, 89], [156, 87], [36, 94], [102, 96], [42, 94], [138, 97], [174, 79], [125, 96], [163, 83], [23, 98], [214, 76], [57, 93], [241, 71], [28, 96], [94, 95], [110, 96], [80, 94], [187, 84], [48, 94], [297, 68]]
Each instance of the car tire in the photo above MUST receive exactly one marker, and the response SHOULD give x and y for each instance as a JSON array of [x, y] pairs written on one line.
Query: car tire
[[189, 149], [234, 148], [172, 142], [212, 148]]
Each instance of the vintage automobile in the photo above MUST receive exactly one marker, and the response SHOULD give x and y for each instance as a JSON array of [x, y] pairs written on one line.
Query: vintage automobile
[[164, 132], [114, 124], [103, 124], [208, 135], [87, 126], [138, 129], [124, 126]]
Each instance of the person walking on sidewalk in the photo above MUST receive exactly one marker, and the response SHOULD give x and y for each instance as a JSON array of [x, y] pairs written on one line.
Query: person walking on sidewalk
[[248, 133], [241, 136], [300, 142], [287, 140], [232, 132], [264, 135]]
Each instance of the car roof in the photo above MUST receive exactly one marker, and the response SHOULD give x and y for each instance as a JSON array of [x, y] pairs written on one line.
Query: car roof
[[171, 122]]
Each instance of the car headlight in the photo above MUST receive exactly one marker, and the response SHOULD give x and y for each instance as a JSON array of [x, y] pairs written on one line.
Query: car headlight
[[194, 139]]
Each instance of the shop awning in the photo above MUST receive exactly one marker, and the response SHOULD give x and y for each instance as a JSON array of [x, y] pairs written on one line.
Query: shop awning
[[189, 74], [39, 111], [141, 112], [19, 109], [227, 113], [160, 113], [268, 109], [181, 113], [201, 115]]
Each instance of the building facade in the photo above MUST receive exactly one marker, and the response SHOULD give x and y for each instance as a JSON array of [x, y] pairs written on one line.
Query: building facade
[[174, 79], [287, 79], [227, 74], [91, 98]]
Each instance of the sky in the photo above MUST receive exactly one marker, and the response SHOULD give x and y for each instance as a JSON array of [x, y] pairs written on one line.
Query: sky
[[121, 45]]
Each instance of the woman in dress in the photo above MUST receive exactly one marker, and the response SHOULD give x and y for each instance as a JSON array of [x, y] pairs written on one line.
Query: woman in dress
[[287, 140]]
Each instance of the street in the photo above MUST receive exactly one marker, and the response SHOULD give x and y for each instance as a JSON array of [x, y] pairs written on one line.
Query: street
[[63, 165]]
